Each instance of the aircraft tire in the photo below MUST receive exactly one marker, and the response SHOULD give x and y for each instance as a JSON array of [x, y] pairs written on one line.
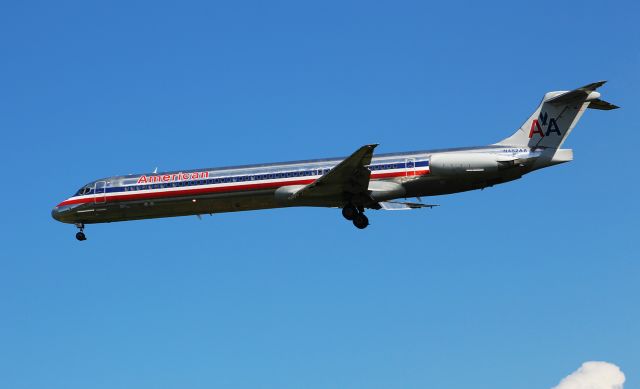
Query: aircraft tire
[[349, 212], [80, 236], [360, 221]]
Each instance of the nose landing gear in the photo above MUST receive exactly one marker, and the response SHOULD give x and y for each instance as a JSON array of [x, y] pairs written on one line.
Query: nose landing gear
[[356, 215], [80, 235]]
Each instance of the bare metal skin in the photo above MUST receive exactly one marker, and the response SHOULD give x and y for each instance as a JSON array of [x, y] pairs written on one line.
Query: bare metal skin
[[355, 183]]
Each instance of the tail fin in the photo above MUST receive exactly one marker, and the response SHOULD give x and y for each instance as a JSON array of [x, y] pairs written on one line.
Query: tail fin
[[555, 117]]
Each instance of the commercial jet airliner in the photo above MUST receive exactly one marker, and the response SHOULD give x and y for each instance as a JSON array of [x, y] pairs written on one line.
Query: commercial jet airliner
[[355, 183]]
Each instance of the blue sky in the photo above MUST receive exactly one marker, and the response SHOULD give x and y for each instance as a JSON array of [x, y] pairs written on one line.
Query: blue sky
[[513, 286]]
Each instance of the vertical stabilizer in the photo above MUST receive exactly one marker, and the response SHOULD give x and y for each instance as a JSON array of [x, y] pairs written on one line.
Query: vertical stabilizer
[[556, 116]]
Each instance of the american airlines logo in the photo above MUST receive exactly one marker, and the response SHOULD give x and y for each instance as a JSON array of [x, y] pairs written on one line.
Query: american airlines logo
[[172, 177], [541, 122]]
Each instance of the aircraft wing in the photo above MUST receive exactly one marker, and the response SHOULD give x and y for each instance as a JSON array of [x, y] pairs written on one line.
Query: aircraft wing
[[349, 176]]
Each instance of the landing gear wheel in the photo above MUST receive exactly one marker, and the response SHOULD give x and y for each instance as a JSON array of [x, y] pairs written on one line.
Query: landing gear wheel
[[349, 212], [80, 235], [360, 221]]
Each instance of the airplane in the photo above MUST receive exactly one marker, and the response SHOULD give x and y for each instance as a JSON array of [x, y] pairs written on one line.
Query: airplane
[[355, 183]]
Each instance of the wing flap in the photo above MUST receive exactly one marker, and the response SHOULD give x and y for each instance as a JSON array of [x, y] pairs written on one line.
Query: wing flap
[[403, 206]]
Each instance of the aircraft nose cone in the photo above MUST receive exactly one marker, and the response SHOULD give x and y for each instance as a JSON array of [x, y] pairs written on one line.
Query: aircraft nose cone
[[55, 213]]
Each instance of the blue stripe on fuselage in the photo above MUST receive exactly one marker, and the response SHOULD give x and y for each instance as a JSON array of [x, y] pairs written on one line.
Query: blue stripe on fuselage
[[257, 177]]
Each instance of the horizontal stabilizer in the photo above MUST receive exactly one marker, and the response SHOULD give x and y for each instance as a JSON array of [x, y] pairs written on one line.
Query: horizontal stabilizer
[[601, 104], [402, 206], [579, 94]]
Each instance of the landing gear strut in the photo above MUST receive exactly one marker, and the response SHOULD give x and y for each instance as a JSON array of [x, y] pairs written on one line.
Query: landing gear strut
[[356, 215], [80, 235]]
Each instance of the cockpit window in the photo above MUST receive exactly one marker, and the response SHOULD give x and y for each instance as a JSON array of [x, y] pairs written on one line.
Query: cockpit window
[[83, 191]]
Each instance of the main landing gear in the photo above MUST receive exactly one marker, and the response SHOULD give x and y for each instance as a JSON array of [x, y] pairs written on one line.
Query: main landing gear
[[80, 235], [356, 215]]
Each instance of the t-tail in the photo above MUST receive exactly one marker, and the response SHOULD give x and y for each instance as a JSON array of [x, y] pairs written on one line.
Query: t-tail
[[556, 116]]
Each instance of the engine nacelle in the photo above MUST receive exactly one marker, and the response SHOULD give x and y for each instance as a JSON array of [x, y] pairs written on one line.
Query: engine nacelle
[[284, 193], [450, 164], [386, 190]]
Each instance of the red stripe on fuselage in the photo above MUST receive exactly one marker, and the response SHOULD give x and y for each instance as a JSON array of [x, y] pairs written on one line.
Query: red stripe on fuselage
[[220, 189]]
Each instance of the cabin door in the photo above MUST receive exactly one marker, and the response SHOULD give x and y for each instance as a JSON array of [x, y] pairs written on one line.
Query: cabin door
[[410, 167], [100, 192]]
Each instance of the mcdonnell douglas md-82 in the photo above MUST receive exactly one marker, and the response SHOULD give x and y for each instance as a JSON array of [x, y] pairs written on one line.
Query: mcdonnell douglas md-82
[[355, 183]]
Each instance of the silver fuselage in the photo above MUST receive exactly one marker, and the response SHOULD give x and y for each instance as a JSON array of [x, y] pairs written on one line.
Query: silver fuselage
[[252, 187]]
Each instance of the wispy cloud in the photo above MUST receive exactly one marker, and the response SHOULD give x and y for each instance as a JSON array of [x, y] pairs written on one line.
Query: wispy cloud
[[594, 375]]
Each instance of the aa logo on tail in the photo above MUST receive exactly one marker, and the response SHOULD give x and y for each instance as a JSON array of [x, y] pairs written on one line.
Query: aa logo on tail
[[540, 123]]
